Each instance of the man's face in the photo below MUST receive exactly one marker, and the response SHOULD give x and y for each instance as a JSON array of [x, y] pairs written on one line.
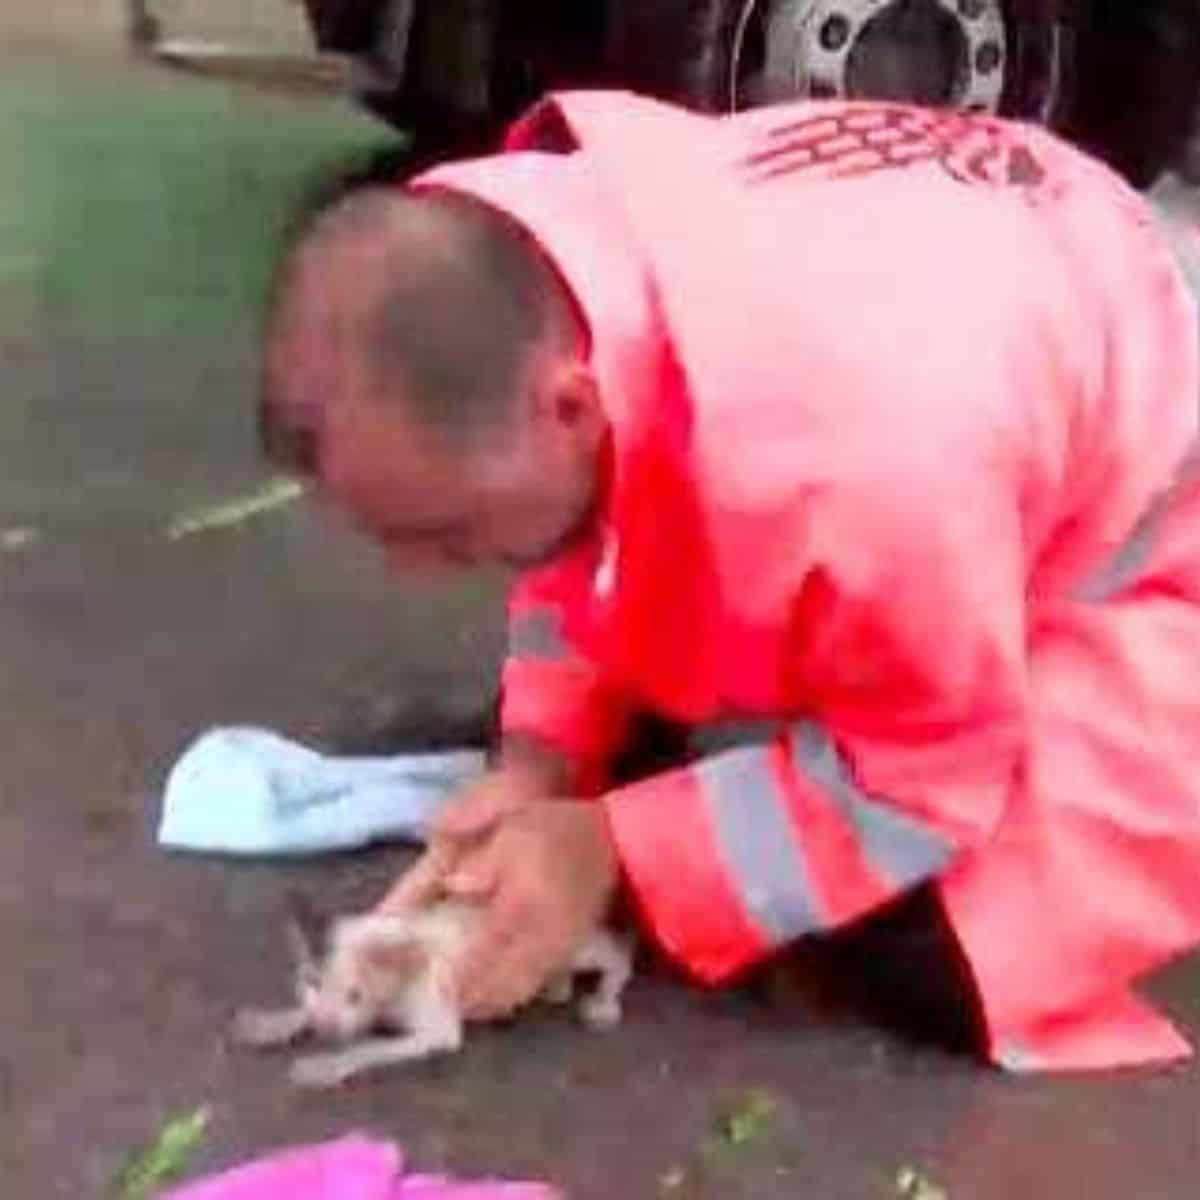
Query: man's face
[[515, 499]]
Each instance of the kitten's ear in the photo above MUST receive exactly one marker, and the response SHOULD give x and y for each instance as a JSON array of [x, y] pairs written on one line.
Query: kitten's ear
[[313, 925], [302, 938], [305, 967]]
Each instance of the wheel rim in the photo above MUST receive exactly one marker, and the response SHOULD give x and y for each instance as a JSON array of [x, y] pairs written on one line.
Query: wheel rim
[[949, 52]]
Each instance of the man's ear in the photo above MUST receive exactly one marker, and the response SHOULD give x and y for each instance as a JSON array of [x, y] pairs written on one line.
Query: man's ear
[[577, 398], [567, 398]]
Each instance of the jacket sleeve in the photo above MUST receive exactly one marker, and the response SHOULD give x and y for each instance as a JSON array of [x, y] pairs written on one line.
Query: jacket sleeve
[[908, 634], [551, 691]]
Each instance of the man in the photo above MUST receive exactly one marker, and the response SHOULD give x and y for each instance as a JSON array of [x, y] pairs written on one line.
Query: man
[[865, 423]]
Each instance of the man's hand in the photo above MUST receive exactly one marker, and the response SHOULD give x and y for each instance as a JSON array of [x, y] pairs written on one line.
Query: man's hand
[[527, 772], [546, 876], [462, 825]]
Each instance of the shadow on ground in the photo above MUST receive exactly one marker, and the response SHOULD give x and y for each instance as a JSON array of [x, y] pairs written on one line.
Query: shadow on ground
[[135, 225]]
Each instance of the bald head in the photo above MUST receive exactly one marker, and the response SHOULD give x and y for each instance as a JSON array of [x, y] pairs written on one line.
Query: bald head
[[429, 300], [426, 367]]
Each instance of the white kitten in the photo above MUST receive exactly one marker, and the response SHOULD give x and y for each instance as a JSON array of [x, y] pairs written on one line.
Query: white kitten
[[393, 974]]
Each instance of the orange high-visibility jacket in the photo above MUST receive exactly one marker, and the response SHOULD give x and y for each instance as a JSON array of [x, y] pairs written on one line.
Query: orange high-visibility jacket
[[902, 407]]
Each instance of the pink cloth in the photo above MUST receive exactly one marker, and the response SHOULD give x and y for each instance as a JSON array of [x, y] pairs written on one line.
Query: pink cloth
[[352, 1168]]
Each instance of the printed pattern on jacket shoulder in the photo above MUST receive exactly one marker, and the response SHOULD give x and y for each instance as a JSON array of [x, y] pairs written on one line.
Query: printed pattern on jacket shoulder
[[863, 139]]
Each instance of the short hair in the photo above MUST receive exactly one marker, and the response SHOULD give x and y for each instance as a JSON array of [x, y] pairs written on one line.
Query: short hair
[[467, 296]]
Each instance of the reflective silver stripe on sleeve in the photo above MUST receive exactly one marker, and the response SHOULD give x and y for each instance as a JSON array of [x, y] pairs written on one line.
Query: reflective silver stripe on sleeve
[[537, 634], [1126, 565], [898, 847], [1184, 240], [757, 844]]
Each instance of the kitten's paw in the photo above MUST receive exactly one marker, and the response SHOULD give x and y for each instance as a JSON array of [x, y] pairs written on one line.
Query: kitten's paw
[[260, 1029], [601, 1014], [320, 1071]]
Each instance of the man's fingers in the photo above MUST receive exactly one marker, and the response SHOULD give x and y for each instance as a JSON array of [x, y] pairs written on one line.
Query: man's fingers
[[476, 874], [454, 862], [473, 816], [421, 883], [413, 890], [511, 981], [507, 962], [478, 810], [496, 982]]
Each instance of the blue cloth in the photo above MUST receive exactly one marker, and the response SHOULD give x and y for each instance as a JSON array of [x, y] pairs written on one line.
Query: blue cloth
[[242, 790]]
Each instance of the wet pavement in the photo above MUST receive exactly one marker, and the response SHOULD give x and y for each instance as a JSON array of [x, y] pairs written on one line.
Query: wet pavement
[[135, 222]]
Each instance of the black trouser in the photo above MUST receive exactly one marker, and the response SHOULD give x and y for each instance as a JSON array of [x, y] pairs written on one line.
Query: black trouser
[[901, 967]]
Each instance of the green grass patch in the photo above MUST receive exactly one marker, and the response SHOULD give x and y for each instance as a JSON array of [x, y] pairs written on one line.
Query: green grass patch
[[146, 204], [164, 1160]]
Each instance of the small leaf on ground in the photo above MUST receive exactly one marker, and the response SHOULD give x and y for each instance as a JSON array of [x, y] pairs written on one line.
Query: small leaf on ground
[[273, 495], [748, 1119], [164, 1160]]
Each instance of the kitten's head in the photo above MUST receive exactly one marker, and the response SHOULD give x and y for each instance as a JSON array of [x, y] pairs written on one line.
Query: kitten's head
[[370, 965]]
